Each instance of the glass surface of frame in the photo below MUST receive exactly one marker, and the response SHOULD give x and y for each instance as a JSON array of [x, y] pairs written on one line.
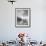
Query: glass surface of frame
[[22, 17]]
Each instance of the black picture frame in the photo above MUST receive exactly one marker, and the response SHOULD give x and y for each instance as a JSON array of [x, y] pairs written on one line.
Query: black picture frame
[[22, 17]]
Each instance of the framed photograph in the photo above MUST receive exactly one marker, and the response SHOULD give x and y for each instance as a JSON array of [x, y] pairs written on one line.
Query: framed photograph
[[22, 17]]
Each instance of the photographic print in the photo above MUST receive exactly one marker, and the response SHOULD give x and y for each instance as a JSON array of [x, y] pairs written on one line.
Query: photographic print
[[22, 17]]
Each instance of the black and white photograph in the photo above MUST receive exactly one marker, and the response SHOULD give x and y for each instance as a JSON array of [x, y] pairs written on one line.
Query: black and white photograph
[[22, 17]]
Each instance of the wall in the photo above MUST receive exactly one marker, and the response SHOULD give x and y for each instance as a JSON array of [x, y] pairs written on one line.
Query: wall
[[37, 31]]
